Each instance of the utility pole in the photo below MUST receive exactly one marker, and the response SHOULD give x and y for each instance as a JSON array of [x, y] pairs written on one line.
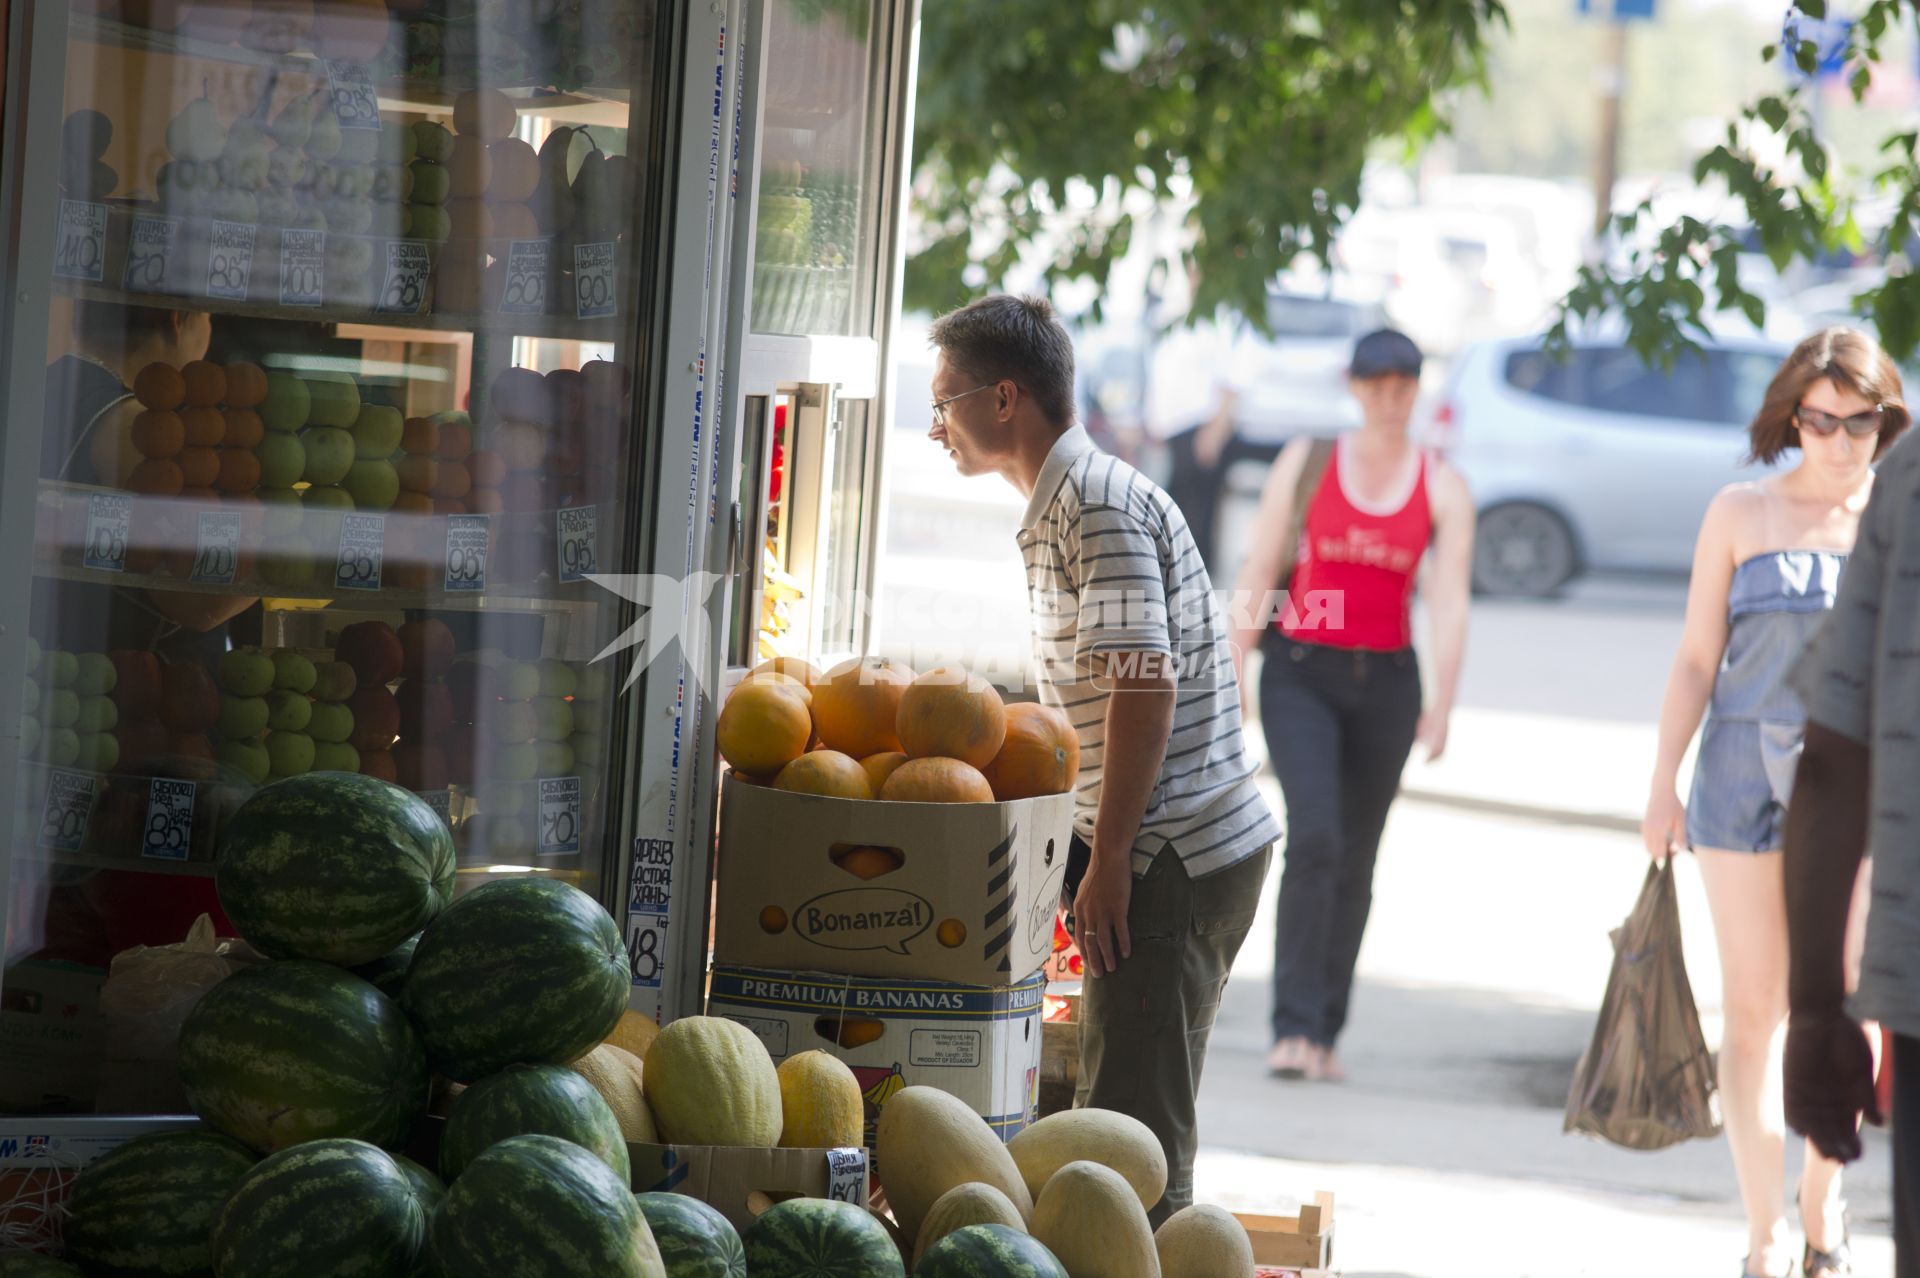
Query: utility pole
[[1613, 88]]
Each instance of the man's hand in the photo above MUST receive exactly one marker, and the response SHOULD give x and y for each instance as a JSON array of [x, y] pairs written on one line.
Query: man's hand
[[1100, 913], [1829, 1082]]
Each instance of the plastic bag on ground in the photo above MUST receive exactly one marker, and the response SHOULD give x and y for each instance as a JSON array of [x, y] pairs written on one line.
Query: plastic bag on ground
[[148, 992]]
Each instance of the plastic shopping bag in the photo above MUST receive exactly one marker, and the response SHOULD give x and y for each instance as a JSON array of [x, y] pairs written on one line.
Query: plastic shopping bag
[[148, 992], [1647, 1079]]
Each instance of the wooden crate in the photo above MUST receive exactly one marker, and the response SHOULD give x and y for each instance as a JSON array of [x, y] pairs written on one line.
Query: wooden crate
[[1302, 1242]]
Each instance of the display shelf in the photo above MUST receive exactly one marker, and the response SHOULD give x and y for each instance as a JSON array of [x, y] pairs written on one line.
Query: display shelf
[[94, 861], [389, 599]]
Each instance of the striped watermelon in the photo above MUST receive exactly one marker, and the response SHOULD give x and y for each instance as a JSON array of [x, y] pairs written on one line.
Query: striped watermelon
[[388, 973], [695, 1241], [526, 1099], [27, 1265], [541, 1207], [820, 1238], [333, 866], [325, 1209], [518, 971], [989, 1251], [295, 1050], [428, 1189], [145, 1210]]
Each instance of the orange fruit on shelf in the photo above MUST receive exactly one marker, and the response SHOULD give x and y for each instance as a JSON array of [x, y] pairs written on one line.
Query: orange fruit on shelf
[[413, 504], [246, 386], [159, 386], [159, 432], [951, 712], [417, 473], [206, 383], [763, 728], [934, 780], [157, 477], [825, 772], [1041, 754], [470, 169], [516, 171], [244, 428], [487, 468], [456, 441], [880, 766], [856, 705], [199, 467], [450, 506], [239, 471], [451, 479], [869, 862], [205, 427], [484, 113], [420, 435]]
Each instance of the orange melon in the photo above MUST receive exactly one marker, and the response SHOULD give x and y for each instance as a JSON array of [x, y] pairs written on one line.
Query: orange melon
[[880, 766], [936, 780], [856, 706], [793, 667], [950, 713], [774, 678], [1041, 754], [825, 772], [763, 727]]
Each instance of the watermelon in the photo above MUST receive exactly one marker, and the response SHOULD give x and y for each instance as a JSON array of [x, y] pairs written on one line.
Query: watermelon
[[333, 866], [520, 971], [388, 973], [284, 1052], [820, 1238], [428, 1189], [325, 1208], [540, 1207], [527, 1099], [695, 1241], [25, 1264], [989, 1251], [147, 1207]]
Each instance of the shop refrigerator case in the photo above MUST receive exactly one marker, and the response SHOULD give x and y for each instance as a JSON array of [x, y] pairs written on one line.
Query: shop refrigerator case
[[334, 376]]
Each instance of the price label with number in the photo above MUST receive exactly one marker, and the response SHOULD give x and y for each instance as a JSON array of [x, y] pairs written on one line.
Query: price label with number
[[559, 815], [149, 254], [363, 551], [80, 244], [230, 259], [108, 517], [441, 801], [216, 554], [168, 834], [303, 267], [525, 289], [466, 552], [847, 1175], [408, 266], [353, 101], [578, 547], [593, 281], [69, 806], [649, 905]]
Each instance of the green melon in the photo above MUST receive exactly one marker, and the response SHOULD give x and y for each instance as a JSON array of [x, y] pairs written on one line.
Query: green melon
[[285, 1052], [528, 1099], [695, 1241], [989, 1251], [819, 1238], [26, 1265], [333, 866], [540, 1207], [325, 1209], [145, 1210], [520, 971], [388, 973]]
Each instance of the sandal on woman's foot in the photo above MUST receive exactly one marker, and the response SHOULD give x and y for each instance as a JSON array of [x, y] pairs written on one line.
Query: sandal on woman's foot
[[1291, 1058], [1746, 1270], [1837, 1263]]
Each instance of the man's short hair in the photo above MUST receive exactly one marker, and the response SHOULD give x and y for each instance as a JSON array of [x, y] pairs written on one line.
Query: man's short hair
[[1016, 339]]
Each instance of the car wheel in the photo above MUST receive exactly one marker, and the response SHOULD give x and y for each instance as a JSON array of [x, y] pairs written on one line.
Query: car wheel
[[1522, 550]]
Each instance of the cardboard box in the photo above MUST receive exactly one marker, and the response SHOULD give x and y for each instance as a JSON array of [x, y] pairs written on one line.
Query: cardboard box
[[1293, 1242], [741, 1183], [50, 1036], [39, 1159], [980, 1043], [973, 901]]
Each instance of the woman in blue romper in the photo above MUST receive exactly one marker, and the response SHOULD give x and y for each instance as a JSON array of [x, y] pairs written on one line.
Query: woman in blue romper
[[1765, 572]]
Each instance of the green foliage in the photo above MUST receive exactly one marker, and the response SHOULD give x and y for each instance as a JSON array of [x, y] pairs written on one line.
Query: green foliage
[[1059, 128]]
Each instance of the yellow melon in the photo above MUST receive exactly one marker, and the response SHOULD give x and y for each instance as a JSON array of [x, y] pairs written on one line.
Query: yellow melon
[[963, 1205], [880, 766], [792, 667], [820, 1104], [1093, 1223], [929, 1141], [1203, 1241], [856, 705], [1115, 1140], [709, 1081], [1040, 754], [936, 781], [950, 713], [635, 1033], [825, 772], [617, 1075], [763, 727]]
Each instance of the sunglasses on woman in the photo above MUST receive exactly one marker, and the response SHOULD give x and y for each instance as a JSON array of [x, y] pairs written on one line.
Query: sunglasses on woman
[[1860, 425]]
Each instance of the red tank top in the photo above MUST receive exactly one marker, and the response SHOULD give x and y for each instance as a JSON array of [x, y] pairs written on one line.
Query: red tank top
[[1352, 584]]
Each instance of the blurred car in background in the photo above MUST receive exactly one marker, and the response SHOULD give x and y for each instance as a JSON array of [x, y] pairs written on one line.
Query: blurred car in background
[[1293, 379]]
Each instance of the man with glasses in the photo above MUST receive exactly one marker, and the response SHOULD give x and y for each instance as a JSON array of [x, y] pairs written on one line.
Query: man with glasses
[[1171, 837]]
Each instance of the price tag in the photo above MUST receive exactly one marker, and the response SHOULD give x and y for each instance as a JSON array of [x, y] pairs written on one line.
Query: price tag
[[303, 267], [107, 520], [353, 101], [559, 815], [217, 554], [441, 801], [81, 242], [579, 541], [525, 292], [169, 830], [593, 281], [63, 821], [408, 266], [230, 260], [847, 1176], [649, 905], [363, 550], [149, 254], [466, 552]]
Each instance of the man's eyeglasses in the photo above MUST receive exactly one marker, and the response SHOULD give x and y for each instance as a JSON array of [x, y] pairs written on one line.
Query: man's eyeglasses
[[940, 405], [1860, 425]]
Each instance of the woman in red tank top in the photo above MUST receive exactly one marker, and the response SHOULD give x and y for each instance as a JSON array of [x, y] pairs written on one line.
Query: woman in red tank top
[[1340, 688]]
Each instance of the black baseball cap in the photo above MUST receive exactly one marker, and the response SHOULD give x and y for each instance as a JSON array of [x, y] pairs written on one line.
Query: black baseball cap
[[1383, 353]]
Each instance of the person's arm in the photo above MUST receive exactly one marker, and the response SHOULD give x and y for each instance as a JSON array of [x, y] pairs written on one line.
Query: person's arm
[[1703, 642], [1449, 595], [110, 447], [1210, 441], [1139, 721], [1249, 616]]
